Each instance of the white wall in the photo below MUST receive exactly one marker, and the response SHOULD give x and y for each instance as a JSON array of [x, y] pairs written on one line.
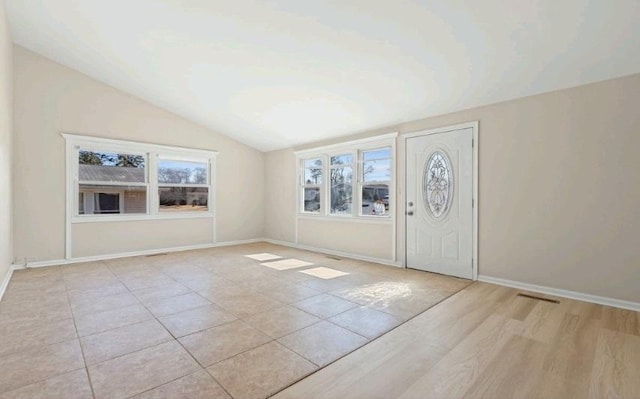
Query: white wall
[[50, 99], [6, 134], [559, 190]]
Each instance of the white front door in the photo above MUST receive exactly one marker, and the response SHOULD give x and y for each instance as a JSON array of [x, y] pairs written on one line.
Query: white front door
[[439, 208]]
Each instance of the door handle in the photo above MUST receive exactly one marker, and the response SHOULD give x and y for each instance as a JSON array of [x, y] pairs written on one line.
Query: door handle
[[410, 213]]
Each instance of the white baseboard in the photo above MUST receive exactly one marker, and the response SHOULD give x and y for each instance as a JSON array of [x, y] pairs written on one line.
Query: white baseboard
[[5, 282], [336, 253], [238, 242], [134, 253], [57, 262], [617, 303]]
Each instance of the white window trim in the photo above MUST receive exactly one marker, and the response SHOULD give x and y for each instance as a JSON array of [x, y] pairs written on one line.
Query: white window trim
[[151, 153], [354, 147]]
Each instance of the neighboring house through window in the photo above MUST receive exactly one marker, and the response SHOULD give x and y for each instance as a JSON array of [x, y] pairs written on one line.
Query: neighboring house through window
[[111, 183], [130, 180]]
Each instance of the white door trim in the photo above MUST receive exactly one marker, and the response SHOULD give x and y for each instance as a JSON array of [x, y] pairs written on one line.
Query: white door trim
[[474, 126]]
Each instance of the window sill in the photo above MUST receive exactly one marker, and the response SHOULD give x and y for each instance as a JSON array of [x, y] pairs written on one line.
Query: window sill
[[346, 218], [143, 217]]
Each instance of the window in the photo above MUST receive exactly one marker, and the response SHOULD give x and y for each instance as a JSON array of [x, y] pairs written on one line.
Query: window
[[183, 186], [341, 172], [311, 185], [358, 183], [121, 179], [375, 181], [103, 179]]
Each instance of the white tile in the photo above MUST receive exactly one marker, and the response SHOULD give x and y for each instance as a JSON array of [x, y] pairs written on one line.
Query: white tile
[[263, 256], [324, 272], [287, 264]]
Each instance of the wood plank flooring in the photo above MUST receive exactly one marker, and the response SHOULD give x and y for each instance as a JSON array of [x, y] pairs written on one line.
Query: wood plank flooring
[[487, 342]]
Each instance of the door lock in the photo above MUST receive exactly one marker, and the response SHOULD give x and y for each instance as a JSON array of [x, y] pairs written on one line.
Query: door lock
[[410, 204], [410, 213]]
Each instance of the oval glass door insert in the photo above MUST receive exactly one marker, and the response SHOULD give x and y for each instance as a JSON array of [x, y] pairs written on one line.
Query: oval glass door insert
[[437, 186]]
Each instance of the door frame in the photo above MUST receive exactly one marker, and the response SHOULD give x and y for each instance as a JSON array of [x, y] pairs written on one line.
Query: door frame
[[474, 127]]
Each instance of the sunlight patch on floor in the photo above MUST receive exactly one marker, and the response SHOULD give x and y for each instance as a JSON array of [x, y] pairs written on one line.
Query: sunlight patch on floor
[[380, 292], [324, 272], [287, 264], [263, 256]]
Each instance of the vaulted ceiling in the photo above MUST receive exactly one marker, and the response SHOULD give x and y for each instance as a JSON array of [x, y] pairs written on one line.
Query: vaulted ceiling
[[274, 74]]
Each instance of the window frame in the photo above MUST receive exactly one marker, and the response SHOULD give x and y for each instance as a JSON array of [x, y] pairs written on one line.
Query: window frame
[[355, 148], [151, 152]]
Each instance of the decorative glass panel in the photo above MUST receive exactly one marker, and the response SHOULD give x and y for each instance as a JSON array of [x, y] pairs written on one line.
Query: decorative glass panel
[[341, 190], [183, 199], [182, 172], [438, 184]]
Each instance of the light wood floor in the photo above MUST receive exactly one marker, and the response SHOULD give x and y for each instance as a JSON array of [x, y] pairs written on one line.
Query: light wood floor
[[486, 342]]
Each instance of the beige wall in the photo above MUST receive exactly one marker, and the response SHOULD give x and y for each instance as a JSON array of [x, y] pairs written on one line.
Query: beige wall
[[50, 99], [280, 196], [89, 238], [369, 239], [559, 189], [6, 134]]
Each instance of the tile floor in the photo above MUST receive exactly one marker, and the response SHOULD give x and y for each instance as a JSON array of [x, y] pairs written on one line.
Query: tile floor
[[210, 323]]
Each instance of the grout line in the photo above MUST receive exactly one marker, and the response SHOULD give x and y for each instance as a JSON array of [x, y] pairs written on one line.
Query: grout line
[[219, 383], [300, 354], [369, 342], [75, 326], [49, 377], [175, 339], [161, 269]]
